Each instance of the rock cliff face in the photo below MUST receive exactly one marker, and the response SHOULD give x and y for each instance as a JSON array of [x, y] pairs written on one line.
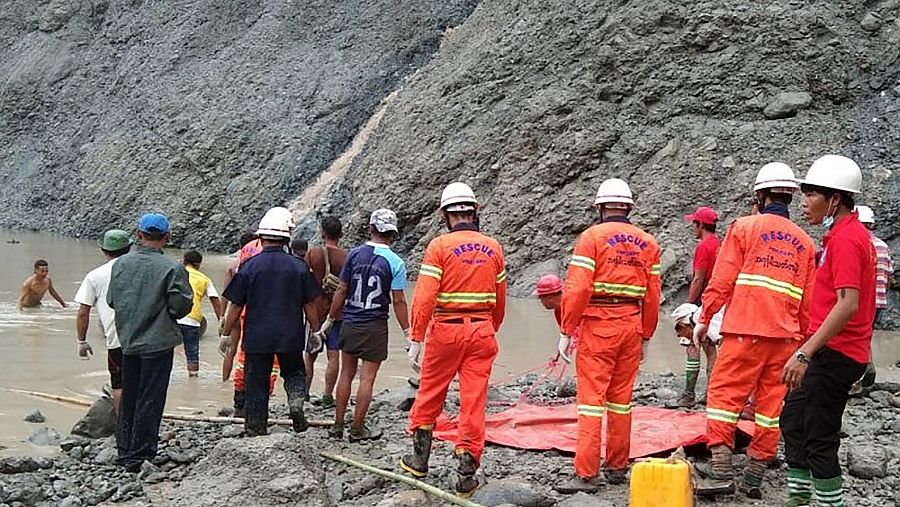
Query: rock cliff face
[[213, 110], [535, 103], [210, 110]]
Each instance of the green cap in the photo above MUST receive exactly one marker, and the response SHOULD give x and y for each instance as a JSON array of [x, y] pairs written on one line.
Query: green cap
[[115, 239]]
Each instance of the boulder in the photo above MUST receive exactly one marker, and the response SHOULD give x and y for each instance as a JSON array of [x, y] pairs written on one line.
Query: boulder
[[511, 490], [867, 461], [18, 465], [98, 422], [786, 105]]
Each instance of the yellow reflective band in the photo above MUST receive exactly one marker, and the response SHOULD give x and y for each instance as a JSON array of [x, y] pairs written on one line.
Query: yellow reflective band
[[590, 410], [467, 297], [771, 284], [431, 271], [501, 277], [766, 422], [583, 262], [655, 269], [618, 289], [619, 408], [715, 414]]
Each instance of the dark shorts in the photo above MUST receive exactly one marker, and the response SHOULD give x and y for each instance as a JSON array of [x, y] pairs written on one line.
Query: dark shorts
[[114, 365], [333, 340], [367, 340]]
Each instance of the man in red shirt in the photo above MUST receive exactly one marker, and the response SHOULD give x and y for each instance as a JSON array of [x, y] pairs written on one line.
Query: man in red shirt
[[842, 311], [704, 223]]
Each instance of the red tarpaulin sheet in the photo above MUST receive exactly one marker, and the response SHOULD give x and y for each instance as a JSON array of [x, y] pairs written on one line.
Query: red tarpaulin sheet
[[540, 428]]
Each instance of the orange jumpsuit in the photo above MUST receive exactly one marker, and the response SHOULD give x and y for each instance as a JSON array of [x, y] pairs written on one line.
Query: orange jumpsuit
[[247, 251], [613, 291], [764, 274], [459, 303]]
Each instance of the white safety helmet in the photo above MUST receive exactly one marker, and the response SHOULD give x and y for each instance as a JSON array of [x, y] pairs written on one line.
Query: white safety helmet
[[835, 172], [277, 222], [614, 190], [866, 215], [777, 176], [684, 313], [458, 197]]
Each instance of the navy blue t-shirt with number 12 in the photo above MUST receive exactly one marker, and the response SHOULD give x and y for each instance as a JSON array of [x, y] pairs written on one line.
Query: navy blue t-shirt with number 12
[[372, 271]]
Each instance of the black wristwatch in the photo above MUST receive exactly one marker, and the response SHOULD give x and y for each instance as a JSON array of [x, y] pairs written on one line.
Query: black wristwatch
[[802, 357]]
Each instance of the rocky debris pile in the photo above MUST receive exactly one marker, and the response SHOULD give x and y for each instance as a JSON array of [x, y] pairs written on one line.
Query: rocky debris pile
[[212, 464]]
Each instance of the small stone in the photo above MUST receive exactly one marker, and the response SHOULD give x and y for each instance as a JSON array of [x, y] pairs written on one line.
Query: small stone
[[867, 462], [45, 436], [511, 490], [71, 501], [408, 498], [147, 469], [786, 105], [582, 499], [729, 162], [895, 400], [106, 457], [72, 442], [226, 412], [895, 426], [232, 431], [183, 457], [18, 465], [35, 417], [871, 22]]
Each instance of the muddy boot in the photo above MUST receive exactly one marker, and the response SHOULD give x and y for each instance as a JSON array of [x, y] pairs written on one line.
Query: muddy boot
[[466, 483], [417, 462], [686, 400], [256, 427], [616, 476], [753, 477], [239, 397], [691, 374], [298, 417], [718, 477], [579, 485], [336, 431], [799, 483], [327, 401], [363, 433]]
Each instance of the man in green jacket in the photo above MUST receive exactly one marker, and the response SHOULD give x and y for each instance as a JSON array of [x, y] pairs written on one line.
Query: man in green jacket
[[149, 293]]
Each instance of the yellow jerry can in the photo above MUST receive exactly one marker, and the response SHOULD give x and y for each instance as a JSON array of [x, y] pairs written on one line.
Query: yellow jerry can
[[657, 482]]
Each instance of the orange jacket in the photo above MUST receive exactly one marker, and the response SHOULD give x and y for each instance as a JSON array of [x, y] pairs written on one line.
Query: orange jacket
[[463, 272], [764, 276], [614, 271]]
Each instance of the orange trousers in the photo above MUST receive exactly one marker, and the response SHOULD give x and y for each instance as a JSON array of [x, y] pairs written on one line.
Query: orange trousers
[[239, 371], [466, 349], [607, 361], [747, 364]]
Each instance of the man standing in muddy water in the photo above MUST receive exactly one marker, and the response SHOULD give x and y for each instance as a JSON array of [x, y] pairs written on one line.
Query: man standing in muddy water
[[37, 285], [460, 301], [149, 293]]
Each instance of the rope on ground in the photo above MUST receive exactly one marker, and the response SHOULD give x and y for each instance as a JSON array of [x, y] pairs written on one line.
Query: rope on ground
[[428, 488], [171, 417]]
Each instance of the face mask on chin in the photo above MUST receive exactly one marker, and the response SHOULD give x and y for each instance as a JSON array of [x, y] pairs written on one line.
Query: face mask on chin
[[828, 221]]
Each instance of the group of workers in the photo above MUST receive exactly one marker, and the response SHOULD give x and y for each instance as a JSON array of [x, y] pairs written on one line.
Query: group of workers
[[781, 322]]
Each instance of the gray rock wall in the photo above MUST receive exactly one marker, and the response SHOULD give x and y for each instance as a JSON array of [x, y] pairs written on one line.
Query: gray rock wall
[[535, 103]]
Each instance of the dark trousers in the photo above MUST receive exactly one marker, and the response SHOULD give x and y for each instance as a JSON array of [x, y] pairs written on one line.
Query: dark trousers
[[257, 369], [145, 382], [811, 418]]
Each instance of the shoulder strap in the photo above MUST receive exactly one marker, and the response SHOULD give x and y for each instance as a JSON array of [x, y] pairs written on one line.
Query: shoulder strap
[[327, 261]]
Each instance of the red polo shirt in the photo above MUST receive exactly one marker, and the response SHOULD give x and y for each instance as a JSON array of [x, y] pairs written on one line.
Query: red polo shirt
[[847, 261], [705, 254]]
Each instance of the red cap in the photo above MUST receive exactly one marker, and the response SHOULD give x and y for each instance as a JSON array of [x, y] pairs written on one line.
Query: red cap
[[547, 285], [704, 215]]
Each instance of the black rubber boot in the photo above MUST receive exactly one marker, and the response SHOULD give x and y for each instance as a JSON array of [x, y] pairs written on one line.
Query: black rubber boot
[[417, 462], [239, 397], [255, 427], [297, 415], [466, 483]]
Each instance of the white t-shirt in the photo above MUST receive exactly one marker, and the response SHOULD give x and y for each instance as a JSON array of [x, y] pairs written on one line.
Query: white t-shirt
[[210, 293], [92, 292], [715, 324]]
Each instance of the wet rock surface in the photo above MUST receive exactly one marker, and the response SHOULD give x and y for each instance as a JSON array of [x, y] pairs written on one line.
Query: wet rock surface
[[285, 468], [35, 416]]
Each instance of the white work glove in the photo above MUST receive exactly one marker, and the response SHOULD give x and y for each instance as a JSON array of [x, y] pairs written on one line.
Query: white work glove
[[326, 326], [700, 331], [645, 348], [224, 345], [316, 342], [413, 353], [562, 348], [84, 350]]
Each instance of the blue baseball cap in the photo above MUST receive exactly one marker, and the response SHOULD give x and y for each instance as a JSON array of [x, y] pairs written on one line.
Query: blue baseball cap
[[154, 223]]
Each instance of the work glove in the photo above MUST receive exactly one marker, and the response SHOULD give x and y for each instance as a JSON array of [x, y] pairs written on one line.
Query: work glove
[[316, 341], [326, 326], [562, 348], [84, 350], [413, 353], [645, 348], [224, 345], [700, 331]]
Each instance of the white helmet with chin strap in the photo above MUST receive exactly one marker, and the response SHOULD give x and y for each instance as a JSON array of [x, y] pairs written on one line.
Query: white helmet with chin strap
[[458, 197], [276, 223], [615, 192], [777, 177]]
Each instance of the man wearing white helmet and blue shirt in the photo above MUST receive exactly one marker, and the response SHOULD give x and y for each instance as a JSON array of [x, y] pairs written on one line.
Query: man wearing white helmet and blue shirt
[[837, 350], [372, 279], [685, 317], [278, 291]]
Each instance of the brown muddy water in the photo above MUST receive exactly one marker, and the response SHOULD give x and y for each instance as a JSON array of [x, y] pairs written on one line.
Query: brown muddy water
[[37, 346]]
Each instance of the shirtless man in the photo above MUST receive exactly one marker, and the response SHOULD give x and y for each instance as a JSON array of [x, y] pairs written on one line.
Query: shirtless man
[[35, 286]]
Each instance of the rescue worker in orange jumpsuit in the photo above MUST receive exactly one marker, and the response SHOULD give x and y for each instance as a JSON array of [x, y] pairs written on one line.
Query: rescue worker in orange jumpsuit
[[764, 274], [459, 303], [613, 292]]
